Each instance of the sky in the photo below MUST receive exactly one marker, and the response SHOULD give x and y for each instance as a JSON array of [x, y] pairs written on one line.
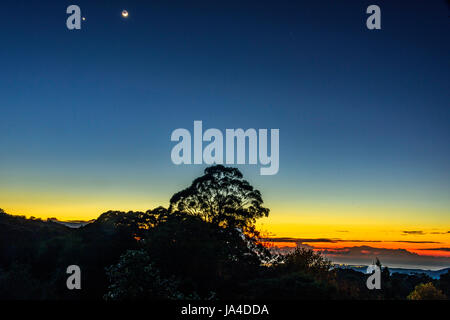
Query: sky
[[86, 115]]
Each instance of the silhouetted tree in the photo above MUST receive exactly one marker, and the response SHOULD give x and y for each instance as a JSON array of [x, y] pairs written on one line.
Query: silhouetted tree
[[291, 286], [135, 222], [18, 283], [134, 277], [426, 291], [204, 256], [221, 196], [306, 261], [444, 283]]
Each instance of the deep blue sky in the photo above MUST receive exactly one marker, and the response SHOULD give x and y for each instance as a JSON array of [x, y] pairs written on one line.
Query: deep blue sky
[[363, 115]]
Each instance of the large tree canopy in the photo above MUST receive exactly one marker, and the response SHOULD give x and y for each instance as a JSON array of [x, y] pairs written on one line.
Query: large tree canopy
[[221, 196]]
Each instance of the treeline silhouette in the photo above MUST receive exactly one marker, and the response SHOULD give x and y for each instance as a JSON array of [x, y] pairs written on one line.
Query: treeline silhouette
[[204, 246]]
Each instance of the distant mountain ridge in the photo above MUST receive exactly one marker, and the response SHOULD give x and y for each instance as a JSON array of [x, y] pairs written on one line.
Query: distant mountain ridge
[[75, 224], [435, 274]]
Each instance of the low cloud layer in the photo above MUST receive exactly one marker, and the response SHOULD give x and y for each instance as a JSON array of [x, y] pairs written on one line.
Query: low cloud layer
[[415, 232], [390, 257], [364, 254], [332, 240]]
